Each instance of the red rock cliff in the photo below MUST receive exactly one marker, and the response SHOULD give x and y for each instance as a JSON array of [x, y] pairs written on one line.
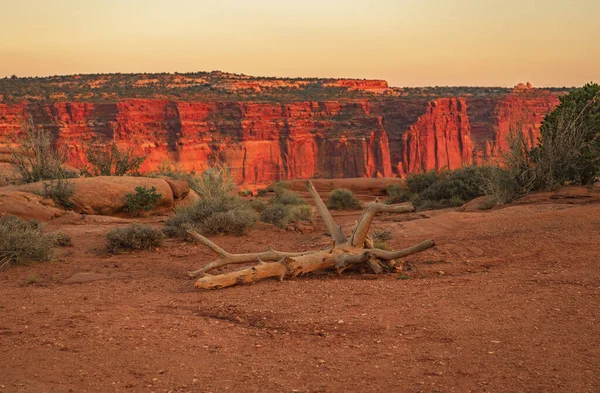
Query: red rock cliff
[[262, 142], [259, 142], [441, 138]]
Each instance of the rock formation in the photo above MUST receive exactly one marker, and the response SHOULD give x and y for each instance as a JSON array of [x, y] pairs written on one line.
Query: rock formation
[[379, 136]]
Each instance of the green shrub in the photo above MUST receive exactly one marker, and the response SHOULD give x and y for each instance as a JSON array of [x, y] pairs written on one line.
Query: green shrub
[[133, 237], [286, 197], [144, 200], [229, 215], [60, 191], [276, 215], [23, 241], [282, 215], [396, 194], [419, 182], [569, 147], [453, 188], [341, 199]]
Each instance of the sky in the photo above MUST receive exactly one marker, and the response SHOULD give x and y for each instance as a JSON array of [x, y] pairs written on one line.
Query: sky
[[406, 42]]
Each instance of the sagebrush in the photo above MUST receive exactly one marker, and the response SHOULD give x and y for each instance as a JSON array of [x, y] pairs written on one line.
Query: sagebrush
[[23, 241], [133, 237]]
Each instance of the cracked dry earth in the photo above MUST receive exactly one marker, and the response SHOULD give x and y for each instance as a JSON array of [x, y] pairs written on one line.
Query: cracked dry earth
[[508, 301]]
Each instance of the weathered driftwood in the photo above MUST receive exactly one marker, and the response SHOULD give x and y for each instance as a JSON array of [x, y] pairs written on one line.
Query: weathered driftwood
[[344, 253]]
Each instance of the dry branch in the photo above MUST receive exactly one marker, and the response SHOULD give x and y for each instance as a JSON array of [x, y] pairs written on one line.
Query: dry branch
[[341, 255]]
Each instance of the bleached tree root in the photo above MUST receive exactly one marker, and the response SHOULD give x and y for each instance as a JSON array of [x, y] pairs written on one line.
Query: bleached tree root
[[358, 250]]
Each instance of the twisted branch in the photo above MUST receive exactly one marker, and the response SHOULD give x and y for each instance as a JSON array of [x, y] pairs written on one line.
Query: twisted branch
[[230, 259], [364, 223]]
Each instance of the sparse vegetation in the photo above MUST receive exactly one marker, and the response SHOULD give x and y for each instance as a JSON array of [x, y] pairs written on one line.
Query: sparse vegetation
[[568, 150], [60, 191], [143, 200], [228, 215], [113, 160], [133, 237], [380, 238], [37, 158], [433, 190], [23, 241], [286, 207], [218, 211], [62, 239], [213, 183], [343, 199], [396, 194]]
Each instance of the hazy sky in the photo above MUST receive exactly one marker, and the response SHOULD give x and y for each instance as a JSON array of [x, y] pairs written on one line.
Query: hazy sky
[[407, 42]]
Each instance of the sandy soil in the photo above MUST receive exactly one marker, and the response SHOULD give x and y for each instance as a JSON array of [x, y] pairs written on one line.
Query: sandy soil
[[507, 302]]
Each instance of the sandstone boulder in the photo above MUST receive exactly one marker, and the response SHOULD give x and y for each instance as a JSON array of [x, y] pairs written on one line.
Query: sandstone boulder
[[28, 206], [104, 195]]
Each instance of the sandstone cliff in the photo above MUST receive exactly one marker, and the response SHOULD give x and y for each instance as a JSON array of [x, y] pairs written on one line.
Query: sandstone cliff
[[380, 136]]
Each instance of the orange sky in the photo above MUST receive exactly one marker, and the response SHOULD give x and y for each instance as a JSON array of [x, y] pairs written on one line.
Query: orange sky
[[406, 42]]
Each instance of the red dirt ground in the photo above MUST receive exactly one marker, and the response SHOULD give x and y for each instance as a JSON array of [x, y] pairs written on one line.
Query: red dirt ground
[[508, 301]]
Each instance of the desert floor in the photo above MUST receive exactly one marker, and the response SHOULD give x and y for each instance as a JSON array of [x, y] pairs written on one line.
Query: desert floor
[[508, 301]]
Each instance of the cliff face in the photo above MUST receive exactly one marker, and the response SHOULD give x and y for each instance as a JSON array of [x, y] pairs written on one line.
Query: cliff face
[[441, 138], [259, 142], [262, 142]]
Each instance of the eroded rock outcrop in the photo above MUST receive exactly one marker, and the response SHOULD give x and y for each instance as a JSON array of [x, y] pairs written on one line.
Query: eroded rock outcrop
[[441, 138], [262, 142]]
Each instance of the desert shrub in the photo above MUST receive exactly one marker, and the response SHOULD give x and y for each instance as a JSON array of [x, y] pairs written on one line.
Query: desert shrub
[[37, 158], [215, 182], [454, 188], [419, 182], [396, 194], [112, 160], [276, 215], [133, 237], [381, 237], [229, 215], [258, 205], [60, 191], [143, 200], [568, 150], [262, 192], [23, 241], [165, 169], [286, 197], [282, 215], [341, 199], [61, 239]]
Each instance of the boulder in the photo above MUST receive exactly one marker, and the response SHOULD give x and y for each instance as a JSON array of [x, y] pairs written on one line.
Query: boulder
[[104, 195], [28, 206]]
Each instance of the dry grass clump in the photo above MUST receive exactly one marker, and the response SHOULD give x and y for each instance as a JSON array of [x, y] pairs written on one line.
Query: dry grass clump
[[23, 241], [133, 237]]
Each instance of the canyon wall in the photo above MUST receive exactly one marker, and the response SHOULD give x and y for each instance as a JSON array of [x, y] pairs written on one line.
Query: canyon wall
[[262, 142]]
